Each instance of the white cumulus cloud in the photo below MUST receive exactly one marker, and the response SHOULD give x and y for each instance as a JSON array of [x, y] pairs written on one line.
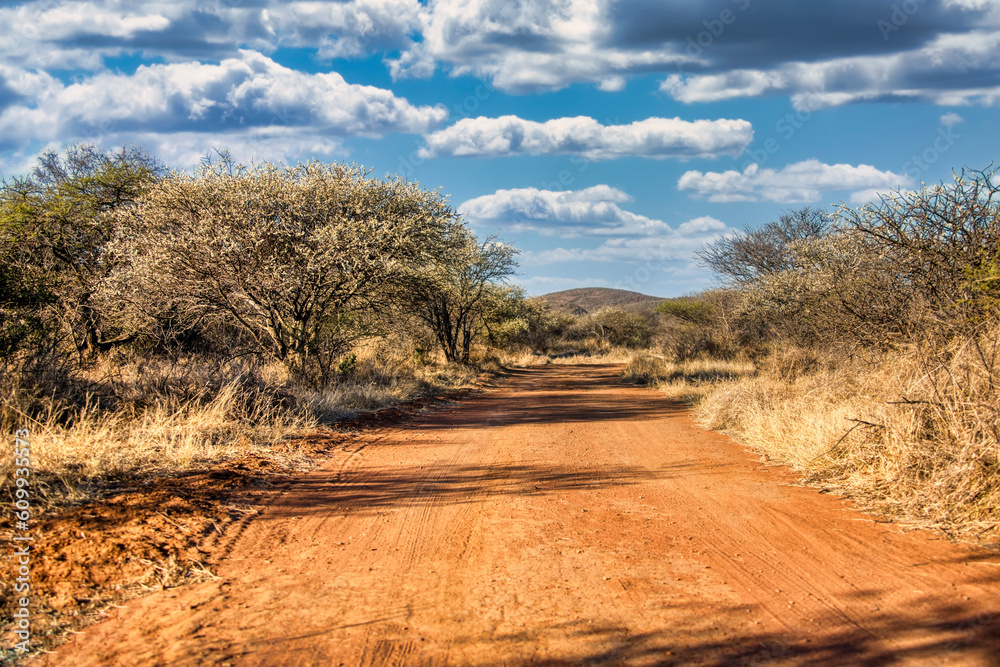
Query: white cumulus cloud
[[912, 75], [674, 245], [593, 211], [348, 29], [799, 183], [951, 119], [652, 138], [943, 52], [237, 96], [529, 46]]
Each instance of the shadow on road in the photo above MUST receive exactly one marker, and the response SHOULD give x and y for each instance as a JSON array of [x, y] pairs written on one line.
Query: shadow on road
[[559, 408], [367, 489], [967, 638]]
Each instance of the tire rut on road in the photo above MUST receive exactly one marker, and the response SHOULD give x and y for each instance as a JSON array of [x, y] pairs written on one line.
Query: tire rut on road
[[562, 518]]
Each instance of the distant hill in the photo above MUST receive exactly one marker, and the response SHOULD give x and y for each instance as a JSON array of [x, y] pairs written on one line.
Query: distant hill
[[589, 299]]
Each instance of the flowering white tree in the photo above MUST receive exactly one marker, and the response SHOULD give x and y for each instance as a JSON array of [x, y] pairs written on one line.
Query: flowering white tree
[[296, 259]]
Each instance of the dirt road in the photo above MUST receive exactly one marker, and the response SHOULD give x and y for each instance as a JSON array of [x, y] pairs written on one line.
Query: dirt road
[[562, 519]]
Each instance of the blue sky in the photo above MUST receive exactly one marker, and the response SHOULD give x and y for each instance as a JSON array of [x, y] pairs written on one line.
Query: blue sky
[[608, 139]]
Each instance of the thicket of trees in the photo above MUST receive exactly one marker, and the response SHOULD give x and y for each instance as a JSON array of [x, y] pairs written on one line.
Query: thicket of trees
[[55, 225], [914, 265], [109, 250], [105, 250], [874, 337]]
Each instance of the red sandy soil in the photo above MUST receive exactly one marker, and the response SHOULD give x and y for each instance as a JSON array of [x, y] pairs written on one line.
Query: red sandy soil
[[158, 534], [561, 519]]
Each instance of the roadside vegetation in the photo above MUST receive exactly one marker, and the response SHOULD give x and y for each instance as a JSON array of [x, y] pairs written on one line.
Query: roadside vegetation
[[155, 320], [861, 347]]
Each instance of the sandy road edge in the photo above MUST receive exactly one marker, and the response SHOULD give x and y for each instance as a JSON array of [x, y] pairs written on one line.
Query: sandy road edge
[[168, 531]]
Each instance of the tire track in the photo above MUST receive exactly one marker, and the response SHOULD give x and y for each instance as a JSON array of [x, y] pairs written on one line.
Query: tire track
[[561, 519]]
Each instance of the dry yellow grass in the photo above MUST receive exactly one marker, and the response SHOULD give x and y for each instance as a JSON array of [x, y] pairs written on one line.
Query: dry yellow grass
[[689, 380], [130, 419], [583, 355], [914, 435], [94, 451]]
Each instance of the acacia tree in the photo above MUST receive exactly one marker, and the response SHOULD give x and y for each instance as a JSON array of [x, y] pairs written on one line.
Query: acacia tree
[[456, 294], [765, 250], [908, 265], [297, 259], [55, 224], [939, 243]]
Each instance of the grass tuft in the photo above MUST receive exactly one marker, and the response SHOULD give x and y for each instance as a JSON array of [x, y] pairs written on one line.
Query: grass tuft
[[914, 434], [130, 419]]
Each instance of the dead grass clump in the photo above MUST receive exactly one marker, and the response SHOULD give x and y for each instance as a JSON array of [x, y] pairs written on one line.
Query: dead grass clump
[[687, 380], [913, 435], [84, 454], [130, 418], [381, 376]]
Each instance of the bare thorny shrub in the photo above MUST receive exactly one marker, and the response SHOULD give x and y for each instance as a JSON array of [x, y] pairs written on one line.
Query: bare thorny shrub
[[131, 417], [876, 346], [225, 309], [911, 433]]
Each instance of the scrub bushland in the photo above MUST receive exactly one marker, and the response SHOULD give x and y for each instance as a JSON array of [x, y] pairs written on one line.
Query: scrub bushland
[[155, 320], [861, 347]]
